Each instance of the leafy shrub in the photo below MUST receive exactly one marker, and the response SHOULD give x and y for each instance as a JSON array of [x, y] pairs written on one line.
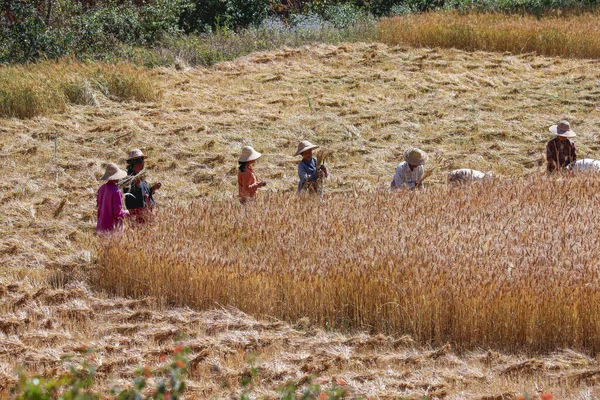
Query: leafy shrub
[[343, 15], [244, 13], [28, 38], [77, 384], [161, 17], [202, 16], [381, 8]]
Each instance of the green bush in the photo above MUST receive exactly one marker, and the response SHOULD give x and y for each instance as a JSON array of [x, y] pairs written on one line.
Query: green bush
[[343, 15], [77, 383], [245, 13], [28, 38], [202, 16]]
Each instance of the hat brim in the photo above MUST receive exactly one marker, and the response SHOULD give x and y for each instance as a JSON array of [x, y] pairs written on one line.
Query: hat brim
[[135, 158], [568, 134], [116, 176], [421, 161], [313, 146], [254, 156]]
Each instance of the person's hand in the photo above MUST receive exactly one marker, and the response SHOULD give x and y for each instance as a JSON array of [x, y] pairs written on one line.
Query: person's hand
[[155, 187], [324, 170], [126, 212]]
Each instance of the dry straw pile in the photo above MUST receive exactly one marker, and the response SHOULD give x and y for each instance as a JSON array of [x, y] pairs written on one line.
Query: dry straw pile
[[507, 265]]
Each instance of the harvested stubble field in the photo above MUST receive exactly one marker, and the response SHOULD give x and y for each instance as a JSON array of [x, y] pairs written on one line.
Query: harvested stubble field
[[367, 103]]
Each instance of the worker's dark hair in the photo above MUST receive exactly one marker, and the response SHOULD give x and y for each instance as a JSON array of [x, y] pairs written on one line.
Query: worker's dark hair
[[242, 166]]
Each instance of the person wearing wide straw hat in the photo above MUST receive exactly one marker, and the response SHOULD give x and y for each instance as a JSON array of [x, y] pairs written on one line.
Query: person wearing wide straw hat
[[560, 151], [247, 182], [139, 196], [410, 172], [308, 173], [109, 201]]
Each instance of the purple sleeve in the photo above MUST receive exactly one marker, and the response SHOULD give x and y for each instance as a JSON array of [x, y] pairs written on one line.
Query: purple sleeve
[[117, 205]]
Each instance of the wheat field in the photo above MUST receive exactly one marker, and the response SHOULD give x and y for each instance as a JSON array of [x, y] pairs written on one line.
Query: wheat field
[[510, 266], [366, 103]]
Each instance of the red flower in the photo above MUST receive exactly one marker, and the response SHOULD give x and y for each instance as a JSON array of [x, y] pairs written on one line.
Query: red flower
[[180, 364], [178, 349], [147, 372], [162, 357], [547, 396]]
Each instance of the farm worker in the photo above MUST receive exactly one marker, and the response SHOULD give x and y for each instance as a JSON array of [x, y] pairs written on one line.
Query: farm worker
[[109, 200], [138, 194], [247, 182], [307, 167], [464, 175], [410, 172], [560, 151], [587, 165]]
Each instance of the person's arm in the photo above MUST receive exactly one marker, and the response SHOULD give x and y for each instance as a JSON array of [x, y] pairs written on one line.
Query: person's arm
[[302, 173], [117, 206], [249, 183], [155, 187], [419, 175], [550, 157]]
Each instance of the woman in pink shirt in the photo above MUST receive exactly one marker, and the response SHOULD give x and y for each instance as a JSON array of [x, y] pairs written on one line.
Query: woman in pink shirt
[[110, 201], [247, 182]]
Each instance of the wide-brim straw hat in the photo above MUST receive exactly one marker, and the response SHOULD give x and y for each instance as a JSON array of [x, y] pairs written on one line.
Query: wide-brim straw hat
[[563, 128], [249, 154], [415, 156], [135, 153], [304, 146], [113, 173]]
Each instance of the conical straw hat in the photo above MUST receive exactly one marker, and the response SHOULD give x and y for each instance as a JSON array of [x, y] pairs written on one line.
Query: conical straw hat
[[304, 146], [249, 154], [113, 173]]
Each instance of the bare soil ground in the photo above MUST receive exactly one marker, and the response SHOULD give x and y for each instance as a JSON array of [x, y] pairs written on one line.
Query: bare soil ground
[[367, 103]]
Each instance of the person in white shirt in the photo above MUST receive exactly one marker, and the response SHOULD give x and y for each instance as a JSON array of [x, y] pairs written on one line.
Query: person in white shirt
[[587, 165], [465, 175], [410, 172]]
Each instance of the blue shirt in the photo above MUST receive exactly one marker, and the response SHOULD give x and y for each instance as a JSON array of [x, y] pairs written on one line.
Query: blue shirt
[[307, 171]]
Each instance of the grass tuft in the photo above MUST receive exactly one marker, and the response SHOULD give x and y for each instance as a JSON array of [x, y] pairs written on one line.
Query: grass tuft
[[22, 96], [49, 87]]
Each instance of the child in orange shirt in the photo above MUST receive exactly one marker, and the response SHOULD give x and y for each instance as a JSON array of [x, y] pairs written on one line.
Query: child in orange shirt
[[247, 182]]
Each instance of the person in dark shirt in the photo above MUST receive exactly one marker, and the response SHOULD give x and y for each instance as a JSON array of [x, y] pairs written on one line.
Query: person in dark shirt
[[308, 172], [139, 195], [560, 151]]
